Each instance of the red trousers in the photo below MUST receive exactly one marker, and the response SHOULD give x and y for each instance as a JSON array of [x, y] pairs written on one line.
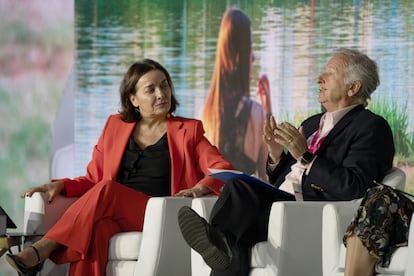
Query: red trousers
[[87, 225]]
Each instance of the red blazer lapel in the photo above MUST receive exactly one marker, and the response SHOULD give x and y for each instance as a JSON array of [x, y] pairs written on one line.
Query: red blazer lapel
[[175, 135], [118, 135]]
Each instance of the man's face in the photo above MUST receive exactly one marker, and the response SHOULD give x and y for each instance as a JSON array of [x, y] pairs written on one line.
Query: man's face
[[333, 92]]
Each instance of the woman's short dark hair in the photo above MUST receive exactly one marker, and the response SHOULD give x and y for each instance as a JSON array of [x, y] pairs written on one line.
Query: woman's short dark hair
[[128, 87]]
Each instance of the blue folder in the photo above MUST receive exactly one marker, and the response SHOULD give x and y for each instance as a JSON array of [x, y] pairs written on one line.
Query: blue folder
[[226, 175]]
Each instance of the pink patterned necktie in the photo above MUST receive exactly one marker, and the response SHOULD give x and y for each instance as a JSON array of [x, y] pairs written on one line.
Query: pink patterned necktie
[[316, 140]]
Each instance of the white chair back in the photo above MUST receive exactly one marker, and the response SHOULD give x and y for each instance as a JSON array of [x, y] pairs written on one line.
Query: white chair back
[[395, 178]]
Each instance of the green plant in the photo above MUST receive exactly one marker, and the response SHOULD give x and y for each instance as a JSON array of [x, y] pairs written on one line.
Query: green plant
[[397, 117]]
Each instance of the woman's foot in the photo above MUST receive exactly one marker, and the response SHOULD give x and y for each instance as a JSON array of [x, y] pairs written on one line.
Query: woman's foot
[[31, 258], [25, 262]]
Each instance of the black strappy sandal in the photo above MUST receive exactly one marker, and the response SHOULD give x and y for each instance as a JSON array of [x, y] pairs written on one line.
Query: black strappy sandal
[[21, 268]]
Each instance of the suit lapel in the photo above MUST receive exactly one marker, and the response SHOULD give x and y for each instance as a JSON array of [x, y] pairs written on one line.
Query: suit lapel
[[341, 125], [176, 135], [122, 131]]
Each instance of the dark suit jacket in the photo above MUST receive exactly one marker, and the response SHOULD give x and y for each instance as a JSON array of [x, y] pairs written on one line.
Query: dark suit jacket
[[190, 152], [358, 150]]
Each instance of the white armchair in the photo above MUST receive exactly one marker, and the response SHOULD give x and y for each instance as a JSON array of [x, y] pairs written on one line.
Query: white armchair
[[294, 243], [338, 215], [159, 250], [336, 218], [291, 247]]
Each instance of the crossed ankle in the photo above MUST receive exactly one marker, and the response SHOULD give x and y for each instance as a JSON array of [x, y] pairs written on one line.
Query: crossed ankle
[[209, 242]]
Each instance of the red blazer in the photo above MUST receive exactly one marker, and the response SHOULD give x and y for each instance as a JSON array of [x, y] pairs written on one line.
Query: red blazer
[[190, 152]]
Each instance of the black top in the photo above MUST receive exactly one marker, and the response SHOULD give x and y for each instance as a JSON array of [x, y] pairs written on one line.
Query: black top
[[147, 170]]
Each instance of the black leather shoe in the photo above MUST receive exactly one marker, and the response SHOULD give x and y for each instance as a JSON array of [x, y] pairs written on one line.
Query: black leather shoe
[[210, 243], [21, 268]]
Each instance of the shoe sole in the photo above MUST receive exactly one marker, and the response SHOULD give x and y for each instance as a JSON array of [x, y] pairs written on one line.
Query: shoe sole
[[195, 232]]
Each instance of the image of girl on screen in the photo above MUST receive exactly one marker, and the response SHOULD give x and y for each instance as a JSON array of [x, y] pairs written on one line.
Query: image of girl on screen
[[233, 121]]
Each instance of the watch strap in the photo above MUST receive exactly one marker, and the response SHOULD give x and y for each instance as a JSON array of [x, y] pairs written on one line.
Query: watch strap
[[306, 158]]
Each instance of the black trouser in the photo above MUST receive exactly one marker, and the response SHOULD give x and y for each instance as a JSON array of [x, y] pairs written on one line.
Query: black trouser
[[242, 214]]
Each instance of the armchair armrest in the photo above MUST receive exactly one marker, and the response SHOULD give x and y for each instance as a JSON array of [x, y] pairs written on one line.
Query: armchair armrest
[[163, 249], [410, 257], [39, 215], [203, 206], [295, 238], [336, 217]]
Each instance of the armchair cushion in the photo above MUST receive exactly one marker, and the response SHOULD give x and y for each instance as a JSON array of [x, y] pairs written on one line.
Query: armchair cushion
[[125, 246]]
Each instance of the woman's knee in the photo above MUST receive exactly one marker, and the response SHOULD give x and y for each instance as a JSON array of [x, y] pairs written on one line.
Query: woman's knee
[[108, 185]]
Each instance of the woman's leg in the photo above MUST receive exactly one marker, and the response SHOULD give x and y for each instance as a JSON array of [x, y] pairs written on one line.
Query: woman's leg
[[97, 255], [107, 199], [379, 227], [358, 261]]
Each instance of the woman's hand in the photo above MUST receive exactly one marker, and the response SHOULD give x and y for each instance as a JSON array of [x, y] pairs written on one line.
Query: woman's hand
[[51, 189], [196, 191]]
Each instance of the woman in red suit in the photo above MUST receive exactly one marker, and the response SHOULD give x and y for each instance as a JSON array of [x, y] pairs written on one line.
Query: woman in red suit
[[142, 152]]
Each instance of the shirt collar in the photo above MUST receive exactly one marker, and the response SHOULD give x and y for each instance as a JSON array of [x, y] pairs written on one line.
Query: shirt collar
[[331, 118]]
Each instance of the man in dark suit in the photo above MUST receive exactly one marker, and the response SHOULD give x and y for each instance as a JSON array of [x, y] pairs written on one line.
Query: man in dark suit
[[334, 155]]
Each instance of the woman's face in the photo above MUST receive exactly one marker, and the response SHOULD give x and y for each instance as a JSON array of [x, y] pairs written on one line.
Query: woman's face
[[153, 95]]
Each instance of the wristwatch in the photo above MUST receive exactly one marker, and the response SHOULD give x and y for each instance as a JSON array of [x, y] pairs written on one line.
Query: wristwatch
[[306, 158]]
